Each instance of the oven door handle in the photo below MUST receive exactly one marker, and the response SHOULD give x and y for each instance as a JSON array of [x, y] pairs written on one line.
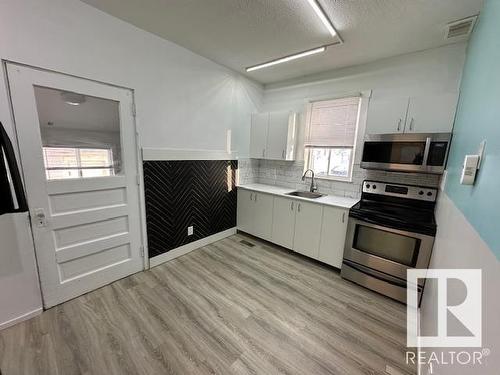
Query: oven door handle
[[375, 274]]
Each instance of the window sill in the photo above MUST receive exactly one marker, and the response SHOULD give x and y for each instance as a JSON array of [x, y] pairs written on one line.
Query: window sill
[[337, 179]]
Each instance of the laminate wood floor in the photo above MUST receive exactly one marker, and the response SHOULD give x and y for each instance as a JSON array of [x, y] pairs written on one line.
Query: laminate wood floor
[[226, 308]]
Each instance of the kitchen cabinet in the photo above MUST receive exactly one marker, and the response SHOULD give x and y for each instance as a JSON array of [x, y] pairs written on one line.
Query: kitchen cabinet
[[255, 213], [307, 228], [333, 233], [283, 221], [263, 215], [273, 136], [258, 135], [432, 113], [386, 115]]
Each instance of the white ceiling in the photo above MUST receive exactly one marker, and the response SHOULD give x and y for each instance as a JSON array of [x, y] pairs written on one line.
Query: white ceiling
[[95, 114], [242, 33]]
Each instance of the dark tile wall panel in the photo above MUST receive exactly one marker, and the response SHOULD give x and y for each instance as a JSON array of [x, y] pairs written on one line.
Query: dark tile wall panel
[[201, 193]]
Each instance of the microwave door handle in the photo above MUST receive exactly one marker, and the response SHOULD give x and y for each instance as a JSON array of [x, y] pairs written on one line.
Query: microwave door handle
[[426, 151], [6, 147]]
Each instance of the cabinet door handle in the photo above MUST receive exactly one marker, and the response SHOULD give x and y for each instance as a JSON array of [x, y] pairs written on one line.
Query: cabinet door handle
[[263, 152], [298, 209], [256, 197], [283, 154], [399, 124], [343, 217], [411, 124], [291, 206]]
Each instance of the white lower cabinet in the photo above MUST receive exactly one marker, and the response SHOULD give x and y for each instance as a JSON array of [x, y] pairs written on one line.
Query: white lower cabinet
[[283, 221], [311, 229], [263, 215], [333, 233], [307, 229], [255, 213]]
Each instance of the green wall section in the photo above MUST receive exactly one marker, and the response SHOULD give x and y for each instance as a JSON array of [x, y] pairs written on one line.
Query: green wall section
[[478, 118]]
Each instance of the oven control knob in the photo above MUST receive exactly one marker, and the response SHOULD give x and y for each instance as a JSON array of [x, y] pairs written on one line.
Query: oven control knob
[[374, 186], [421, 192], [429, 193], [367, 186]]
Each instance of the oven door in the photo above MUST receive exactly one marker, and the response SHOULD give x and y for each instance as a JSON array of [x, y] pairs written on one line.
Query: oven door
[[388, 250]]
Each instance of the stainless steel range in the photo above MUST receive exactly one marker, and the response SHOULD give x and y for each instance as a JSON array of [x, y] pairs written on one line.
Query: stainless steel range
[[390, 230]]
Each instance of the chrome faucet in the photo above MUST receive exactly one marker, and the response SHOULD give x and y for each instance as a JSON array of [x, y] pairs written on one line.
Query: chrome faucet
[[313, 187]]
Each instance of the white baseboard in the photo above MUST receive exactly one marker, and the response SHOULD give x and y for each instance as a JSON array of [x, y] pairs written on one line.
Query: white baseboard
[[21, 318], [182, 250]]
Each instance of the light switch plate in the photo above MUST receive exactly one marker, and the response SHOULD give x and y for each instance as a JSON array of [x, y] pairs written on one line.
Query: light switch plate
[[190, 230]]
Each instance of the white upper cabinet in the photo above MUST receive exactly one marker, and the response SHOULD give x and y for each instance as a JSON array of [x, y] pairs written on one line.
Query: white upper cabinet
[[431, 113], [258, 135], [386, 115], [333, 233], [273, 136]]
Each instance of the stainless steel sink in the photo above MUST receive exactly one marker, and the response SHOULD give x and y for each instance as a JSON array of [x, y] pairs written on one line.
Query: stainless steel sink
[[306, 194]]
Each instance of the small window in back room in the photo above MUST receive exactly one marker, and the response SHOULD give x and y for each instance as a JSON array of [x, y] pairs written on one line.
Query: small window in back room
[[80, 134], [331, 137]]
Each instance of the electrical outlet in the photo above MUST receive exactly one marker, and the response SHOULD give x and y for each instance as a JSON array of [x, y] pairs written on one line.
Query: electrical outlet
[[190, 230]]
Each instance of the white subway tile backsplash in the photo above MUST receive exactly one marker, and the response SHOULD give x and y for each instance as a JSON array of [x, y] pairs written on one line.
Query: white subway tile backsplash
[[289, 174]]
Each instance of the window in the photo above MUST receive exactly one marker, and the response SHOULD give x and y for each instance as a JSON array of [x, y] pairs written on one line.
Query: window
[[64, 162], [331, 136]]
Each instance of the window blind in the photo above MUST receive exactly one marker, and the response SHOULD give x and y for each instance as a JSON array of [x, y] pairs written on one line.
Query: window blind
[[333, 123]]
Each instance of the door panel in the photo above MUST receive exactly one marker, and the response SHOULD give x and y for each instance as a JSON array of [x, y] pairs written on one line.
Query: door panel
[[71, 131], [386, 115], [308, 229], [263, 218], [432, 113], [277, 135], [283, 222], [245, 210], [333, 234], [258, 135]]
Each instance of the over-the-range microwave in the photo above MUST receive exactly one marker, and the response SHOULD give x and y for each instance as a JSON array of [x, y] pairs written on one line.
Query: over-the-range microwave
[[411, 152]]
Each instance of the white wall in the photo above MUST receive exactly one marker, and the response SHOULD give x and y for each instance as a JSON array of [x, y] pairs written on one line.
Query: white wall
[[457, 246], [183, 100]]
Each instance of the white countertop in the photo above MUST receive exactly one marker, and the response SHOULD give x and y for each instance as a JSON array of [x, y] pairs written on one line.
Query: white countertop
[[328, 200]]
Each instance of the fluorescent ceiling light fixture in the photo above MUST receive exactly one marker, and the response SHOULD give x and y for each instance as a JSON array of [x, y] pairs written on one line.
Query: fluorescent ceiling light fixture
[[73, 98], [323, 17], [287, 58]]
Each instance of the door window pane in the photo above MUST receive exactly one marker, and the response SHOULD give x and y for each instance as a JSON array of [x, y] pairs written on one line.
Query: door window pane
[[80, 134]]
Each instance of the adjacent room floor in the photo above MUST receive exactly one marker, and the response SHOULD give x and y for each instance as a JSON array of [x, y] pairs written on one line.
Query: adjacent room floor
[[227, 308]]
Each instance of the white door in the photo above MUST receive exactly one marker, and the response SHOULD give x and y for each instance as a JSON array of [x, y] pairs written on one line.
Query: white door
[[277, 138], [386, 115], [333, 232], [283, 221], [263, 215], [245, 210], [432, 113], [258, 135], [79, 157], [308, 229]]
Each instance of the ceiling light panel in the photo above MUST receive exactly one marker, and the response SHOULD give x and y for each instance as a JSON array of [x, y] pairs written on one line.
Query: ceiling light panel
[[323, 17], [286, 59]]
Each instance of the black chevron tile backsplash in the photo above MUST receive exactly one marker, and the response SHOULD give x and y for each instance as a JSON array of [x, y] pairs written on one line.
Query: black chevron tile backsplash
[[201, 193]]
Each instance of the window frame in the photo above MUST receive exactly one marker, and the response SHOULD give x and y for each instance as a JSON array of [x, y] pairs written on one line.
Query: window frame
[[79, 166], [308, 148]]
